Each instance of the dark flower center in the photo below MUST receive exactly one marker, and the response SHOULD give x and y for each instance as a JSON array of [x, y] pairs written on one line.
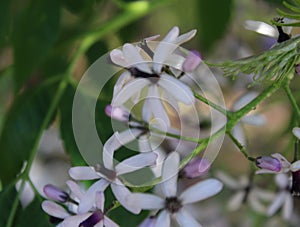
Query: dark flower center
[[296, 183], [172, 204]]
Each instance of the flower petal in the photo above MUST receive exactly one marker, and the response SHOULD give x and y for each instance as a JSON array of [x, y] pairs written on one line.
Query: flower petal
[[295, 166], [109, 223], [100, 200], [235, 202], [185, 219], [261, 27], [185, 37], [163, 219], [228, 180], [170, 175], [144, 144], [277, 203], [136, 162], [177, 89], [75, 189], [122, 194], [254, 119], [75, 220], [147, 201], [201, 191], [296, 132], [244, 100], [130, 89], [83, 173], [287, 206], [55, 210], [118, 58]]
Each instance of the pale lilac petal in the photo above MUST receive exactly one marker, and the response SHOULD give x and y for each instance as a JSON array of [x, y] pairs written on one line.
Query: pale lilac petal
[[144, 144], [254, 119], [163, 219], [287, 207], [128, 136], [177, 89], [83, 173], [122, 80], [136, 162], [185, 37], [263, 171], [238, 133], [129, 90], [100, 200], [152, 38], [170, 175], [147, 111], [55, 210], [118, 58], [256, 203], [131, 53], [244, 100], [172, 35], [282, 180], [201, 191], [108, 151], [109, 223], [156, 105], [88, 200], [27, 194], [228, 180], [277, 203], [235, 202], [295, 166], [75, 189], [175, 61], [148, 222], [147, 201], [261, 28], [170, 100], [75, 220], [285, 163], [185, 219], [296, 132], [122, 194]]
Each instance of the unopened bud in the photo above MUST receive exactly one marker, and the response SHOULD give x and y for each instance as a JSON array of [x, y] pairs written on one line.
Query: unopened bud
[[55, 193], [269, 163], [196, 168], [192, 61], [92, 220], [117, 113]]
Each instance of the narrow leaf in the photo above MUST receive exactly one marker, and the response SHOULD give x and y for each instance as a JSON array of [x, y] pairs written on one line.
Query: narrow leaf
[[7, 197]]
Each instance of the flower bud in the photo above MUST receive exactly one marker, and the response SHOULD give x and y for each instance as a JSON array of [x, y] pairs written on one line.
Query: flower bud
[[196, 168], [269, 163], [92, 220], [55, 193], [117, 113], [297, 69], [193, 59]]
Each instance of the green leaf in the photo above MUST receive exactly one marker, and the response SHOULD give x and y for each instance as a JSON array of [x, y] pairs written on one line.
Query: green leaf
[[33, 215], [34, 34], [7, 197], [66, 130], [22, 128], [5, 22], [288, 15], [214, 16], [291, 7]]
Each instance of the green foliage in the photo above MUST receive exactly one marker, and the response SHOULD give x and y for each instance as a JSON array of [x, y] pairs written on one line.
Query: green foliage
[[5, 22], [214, 17], [7, 197], [32, 43], [294, 11], [22, 130], [274, 64]]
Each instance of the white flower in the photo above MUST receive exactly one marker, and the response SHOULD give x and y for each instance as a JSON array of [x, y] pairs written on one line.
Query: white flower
[[245, 192], [71, 217], [109, 174], [283, 198], [169, 203], [146, 70], [250, 119]]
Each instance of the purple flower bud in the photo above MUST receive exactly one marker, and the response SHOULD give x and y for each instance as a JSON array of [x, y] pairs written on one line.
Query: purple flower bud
[[92, 220], [269, 163], [55, 193], [193, 59], [117, 113], [196, 168], [148, 222], [297, 69]]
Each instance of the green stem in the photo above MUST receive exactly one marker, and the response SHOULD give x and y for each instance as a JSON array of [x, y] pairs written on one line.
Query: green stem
[[242, 149], [292, 101]]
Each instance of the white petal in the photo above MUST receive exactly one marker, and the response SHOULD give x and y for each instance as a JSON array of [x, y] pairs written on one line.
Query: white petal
[[147, 111], [118, 58], [88, 200], [185, 219], [171, 100], [136, 162], [262, 28], [170, 175], [75, 220], [128, 136], [185, 37], [201, 190], [284, 162], [135, 59], [254, 119], [100, 200], [130, 89], [172, 35], [83, 173], [296, 132], [238, 133], [109, 223], [54, 209], [156, 105], [263, 171], [295, 166], [163, 219], [228, 180], [244, 100], [27, 194], [122, 80], [108, 151], [144, 144], [277, 203], [177, 89], [122, 194], [255, 202], [75, 189], [235, 202], [282, 180], [287, 206], [147, 201]]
